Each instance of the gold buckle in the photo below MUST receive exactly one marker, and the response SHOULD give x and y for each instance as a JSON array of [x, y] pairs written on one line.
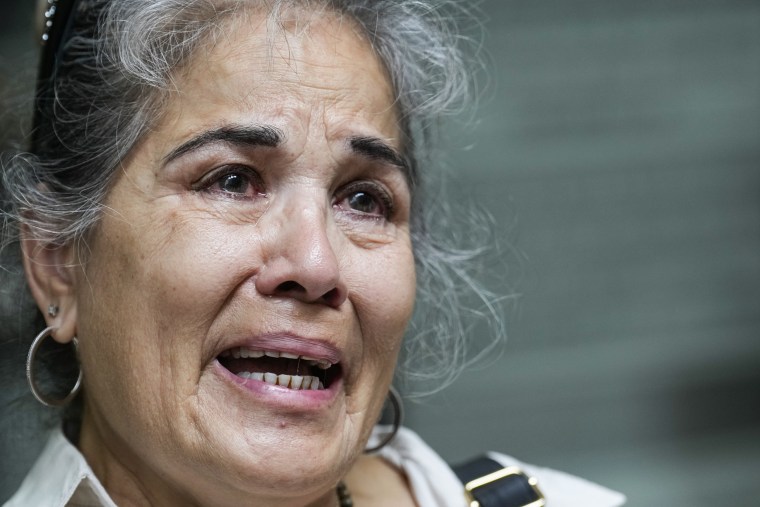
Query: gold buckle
[[497, 476]]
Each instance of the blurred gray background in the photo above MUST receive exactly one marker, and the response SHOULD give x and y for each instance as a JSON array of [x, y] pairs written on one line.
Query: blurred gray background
[[619, 151]]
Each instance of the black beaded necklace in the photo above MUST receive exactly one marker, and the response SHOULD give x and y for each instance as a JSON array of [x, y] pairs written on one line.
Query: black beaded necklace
[[344, 496]]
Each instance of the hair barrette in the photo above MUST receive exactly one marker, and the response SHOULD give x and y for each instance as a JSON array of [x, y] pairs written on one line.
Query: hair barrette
[[58, 24], [49, 16]]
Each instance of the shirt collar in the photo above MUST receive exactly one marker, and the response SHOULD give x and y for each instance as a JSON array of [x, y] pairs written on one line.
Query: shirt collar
[[61, 477]]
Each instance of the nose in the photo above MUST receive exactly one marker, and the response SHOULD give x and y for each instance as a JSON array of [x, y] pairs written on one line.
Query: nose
[[299, 260]]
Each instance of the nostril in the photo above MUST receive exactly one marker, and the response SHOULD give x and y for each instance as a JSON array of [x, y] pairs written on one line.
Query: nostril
[[290, 287], [333, 297]]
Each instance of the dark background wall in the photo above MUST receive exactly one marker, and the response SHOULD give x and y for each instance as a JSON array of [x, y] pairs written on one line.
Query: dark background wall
[[623, 141], [619, 151]]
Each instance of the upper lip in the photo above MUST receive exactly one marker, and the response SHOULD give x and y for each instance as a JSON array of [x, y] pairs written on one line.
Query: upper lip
[[316, 348]]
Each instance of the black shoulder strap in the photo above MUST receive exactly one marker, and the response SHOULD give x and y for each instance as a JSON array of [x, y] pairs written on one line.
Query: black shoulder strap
[[489, 484]]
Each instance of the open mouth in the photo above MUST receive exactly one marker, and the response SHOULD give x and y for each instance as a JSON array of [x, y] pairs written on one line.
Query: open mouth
[[280, 368]]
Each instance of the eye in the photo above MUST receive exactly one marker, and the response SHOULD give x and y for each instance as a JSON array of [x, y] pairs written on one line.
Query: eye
[[237, 182], [364, 202], [365, 198]]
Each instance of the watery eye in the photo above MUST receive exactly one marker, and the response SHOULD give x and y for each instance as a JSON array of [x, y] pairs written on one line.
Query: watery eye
[[236, 182], [364, 202], [366, 199]]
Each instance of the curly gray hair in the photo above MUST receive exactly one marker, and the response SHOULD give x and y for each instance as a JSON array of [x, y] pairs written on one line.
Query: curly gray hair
[[115, 76]]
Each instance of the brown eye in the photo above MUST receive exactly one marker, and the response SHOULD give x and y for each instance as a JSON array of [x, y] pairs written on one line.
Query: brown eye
[[366, 200], [234, 183], [237, 182]]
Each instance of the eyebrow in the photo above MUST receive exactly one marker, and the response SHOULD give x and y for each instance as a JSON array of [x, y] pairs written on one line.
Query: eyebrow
[[377, 149], [240, 135], [270, 136]]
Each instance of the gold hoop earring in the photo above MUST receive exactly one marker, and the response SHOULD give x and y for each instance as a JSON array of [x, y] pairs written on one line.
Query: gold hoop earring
[[398, 418], [31, 379]]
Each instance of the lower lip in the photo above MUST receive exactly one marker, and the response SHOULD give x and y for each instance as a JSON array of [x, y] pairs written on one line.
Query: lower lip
[[282, 396]]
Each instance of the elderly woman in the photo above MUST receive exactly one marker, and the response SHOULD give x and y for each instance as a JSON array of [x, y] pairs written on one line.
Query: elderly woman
[[219, 215]]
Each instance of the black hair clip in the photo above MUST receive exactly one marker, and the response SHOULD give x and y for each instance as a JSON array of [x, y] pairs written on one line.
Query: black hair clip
[[49, 15], [59, 21], [58, 24]]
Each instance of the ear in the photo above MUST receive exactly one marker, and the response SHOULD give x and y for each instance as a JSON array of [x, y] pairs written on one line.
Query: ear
[[50, 274]]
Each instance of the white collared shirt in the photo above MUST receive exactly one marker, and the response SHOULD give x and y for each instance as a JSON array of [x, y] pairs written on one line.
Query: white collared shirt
[[62, 478]]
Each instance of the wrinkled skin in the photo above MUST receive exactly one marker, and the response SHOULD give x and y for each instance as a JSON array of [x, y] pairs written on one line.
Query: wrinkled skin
[[230, 242]]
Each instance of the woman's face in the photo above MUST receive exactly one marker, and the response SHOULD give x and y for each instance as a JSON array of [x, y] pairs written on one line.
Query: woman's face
[[266, 214]]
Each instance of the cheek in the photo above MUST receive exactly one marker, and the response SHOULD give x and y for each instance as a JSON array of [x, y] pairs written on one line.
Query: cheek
[[149, 294], [384, 294], [181, 265]]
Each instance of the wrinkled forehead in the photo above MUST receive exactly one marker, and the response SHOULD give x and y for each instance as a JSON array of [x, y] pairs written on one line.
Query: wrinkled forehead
[[288, 41], [277, 24], [270, 64], [310, 75]]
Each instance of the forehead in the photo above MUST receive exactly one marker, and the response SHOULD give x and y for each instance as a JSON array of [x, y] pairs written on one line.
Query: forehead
[[298, 66]]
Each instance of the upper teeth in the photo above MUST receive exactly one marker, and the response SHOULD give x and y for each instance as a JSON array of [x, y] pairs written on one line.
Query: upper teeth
[[245, 353]]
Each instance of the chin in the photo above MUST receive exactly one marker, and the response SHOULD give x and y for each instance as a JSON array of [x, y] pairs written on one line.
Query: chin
[[267, 439]]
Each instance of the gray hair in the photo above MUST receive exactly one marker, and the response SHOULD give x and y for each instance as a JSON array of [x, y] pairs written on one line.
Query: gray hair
[[116, 76]]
